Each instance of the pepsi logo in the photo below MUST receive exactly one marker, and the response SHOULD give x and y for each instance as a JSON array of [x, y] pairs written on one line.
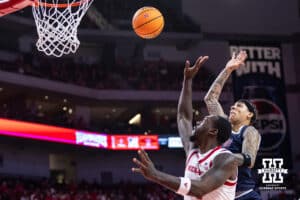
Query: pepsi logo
[[271, 124]]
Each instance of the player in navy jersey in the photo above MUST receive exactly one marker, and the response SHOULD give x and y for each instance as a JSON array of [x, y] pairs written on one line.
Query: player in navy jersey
[[245, 139]]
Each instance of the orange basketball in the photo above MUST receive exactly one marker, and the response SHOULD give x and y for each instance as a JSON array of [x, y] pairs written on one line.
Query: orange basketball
[[148, 22]]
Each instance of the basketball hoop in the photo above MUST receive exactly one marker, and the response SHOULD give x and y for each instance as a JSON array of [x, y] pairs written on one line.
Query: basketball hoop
[[57, 22]]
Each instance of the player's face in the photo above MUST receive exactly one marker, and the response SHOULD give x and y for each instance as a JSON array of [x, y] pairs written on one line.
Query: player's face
[[202, 127], [239, 112]]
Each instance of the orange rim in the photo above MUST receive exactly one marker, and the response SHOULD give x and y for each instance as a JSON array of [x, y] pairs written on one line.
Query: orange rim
[[62, 5]]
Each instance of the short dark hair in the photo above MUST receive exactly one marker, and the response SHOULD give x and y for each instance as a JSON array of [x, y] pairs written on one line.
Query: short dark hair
[[224, 129], [251, 107]]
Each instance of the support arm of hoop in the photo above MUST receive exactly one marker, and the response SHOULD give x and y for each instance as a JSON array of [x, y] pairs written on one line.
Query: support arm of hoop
[[10, 6], [37, 3]]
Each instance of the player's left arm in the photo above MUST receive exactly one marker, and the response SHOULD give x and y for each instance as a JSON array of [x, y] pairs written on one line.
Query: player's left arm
[[224, 167], [251, 143]]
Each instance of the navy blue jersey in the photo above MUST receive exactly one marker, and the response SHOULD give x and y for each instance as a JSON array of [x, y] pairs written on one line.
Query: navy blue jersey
[[234, 144]]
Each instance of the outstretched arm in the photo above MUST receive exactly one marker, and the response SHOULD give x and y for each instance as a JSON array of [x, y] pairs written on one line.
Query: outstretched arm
[[185, 107], [224, 167], [212, 97]]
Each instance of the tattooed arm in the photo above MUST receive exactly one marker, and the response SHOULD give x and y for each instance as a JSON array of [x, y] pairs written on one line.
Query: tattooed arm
[[212, 97], [251, 143], [250, 146], [185, 107]]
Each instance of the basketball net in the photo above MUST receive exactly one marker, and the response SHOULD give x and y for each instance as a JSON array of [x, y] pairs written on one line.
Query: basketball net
[[57, 25]]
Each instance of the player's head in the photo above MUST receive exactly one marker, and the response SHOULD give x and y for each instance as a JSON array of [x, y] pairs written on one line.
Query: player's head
[[212, 126], [242, 111]]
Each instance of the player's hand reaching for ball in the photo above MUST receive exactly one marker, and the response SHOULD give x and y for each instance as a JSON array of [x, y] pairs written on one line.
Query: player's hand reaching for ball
[[144, 166], [236, 61], [190, 72]]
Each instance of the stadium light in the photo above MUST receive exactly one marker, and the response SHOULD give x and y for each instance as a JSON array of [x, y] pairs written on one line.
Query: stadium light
[[136, 120]]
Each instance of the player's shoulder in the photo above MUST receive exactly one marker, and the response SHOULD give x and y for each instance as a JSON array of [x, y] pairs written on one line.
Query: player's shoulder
[[191, 152], [225, 158], [221, 150], [251, 130], [251, 127], [223, 153]]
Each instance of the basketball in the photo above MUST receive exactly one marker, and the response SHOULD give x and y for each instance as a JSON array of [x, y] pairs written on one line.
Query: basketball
[[148, 22]]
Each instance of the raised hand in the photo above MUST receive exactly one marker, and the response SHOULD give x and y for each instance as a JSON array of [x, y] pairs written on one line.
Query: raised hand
[[236, 61], [190, 72], [145, 165]]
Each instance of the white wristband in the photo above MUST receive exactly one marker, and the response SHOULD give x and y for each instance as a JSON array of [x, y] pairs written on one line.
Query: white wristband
[[185, 186]]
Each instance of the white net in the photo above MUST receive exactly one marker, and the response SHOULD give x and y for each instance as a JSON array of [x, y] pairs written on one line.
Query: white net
[[57, 25]]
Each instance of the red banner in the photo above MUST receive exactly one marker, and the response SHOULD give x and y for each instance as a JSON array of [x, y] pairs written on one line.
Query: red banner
[[77, 137], [127, 142]]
